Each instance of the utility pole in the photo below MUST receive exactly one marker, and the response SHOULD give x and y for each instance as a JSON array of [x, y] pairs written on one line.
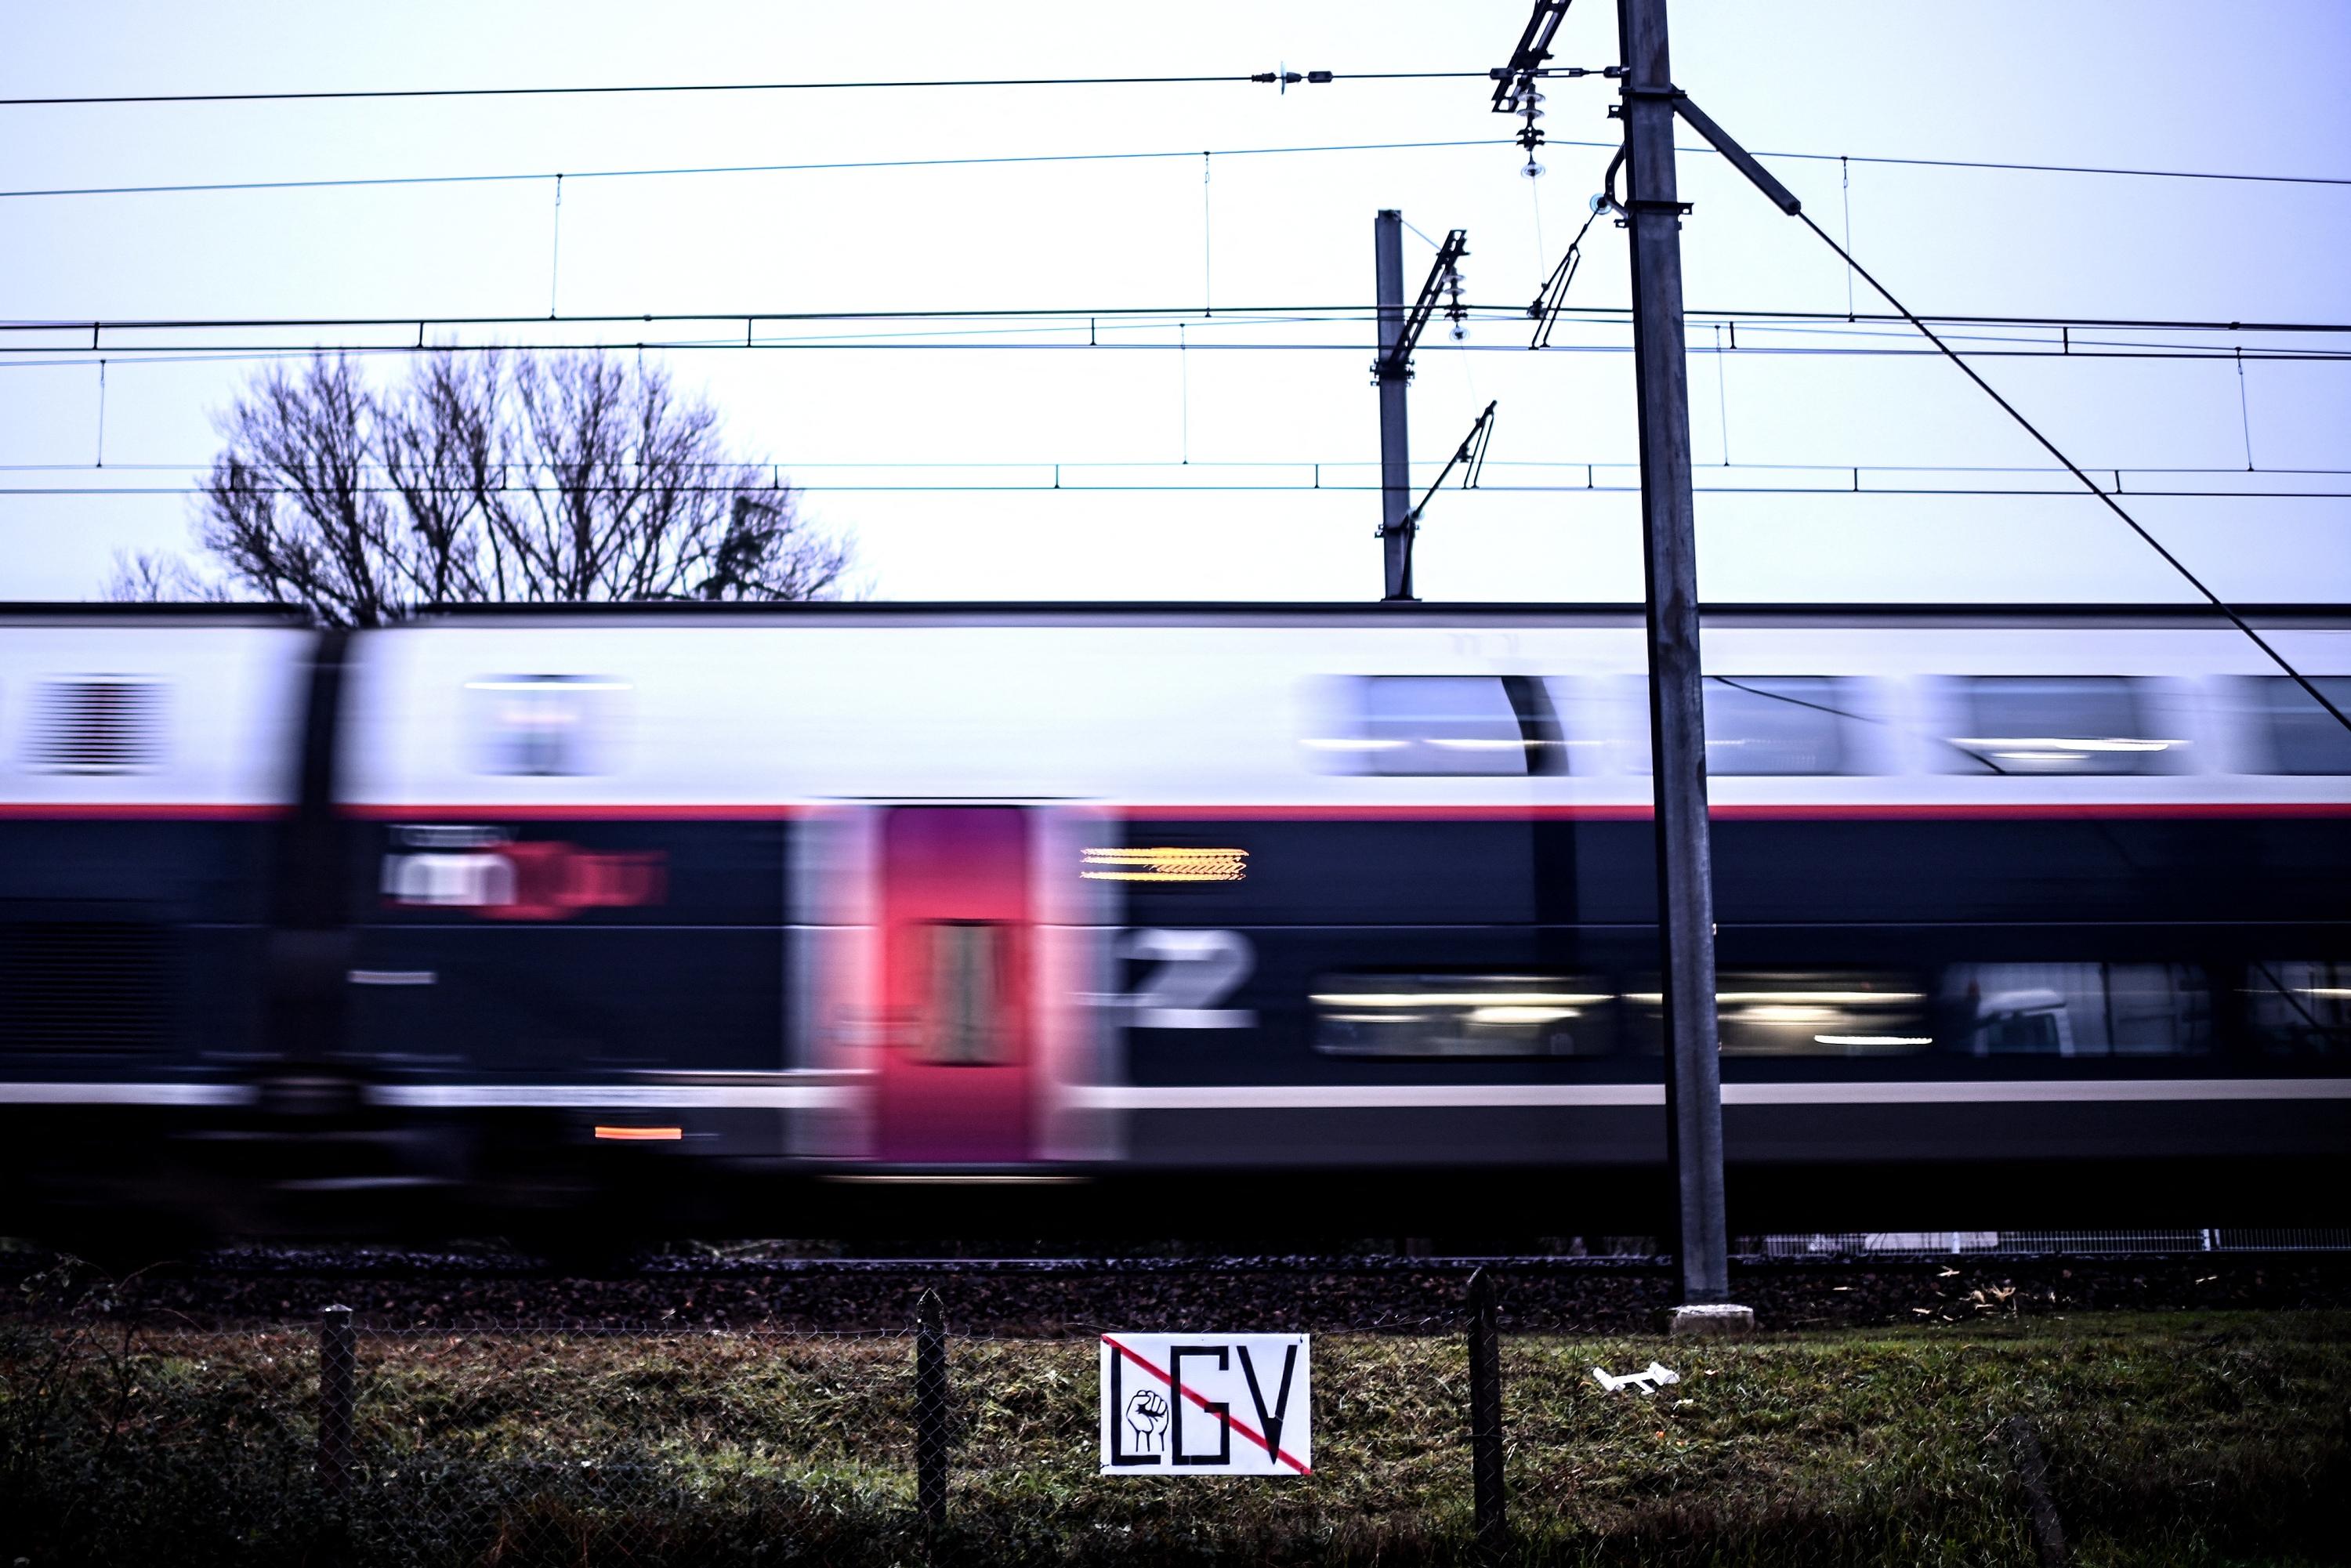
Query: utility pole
[[1394, 371], [1400, 329], [1677, 714]]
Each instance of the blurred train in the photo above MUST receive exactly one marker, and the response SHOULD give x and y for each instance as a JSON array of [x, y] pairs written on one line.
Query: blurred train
[[1175, 919]]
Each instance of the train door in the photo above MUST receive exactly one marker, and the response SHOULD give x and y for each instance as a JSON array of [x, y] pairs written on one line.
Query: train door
[[959, 1046]]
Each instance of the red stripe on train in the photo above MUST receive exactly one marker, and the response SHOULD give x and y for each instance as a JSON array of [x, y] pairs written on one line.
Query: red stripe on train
[[140, 811], [614, 811], [628, 812], [1861, 810], [1856, 810]]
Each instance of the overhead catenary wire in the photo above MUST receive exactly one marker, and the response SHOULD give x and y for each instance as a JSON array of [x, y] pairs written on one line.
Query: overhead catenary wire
[[2111, 170], [829, 166], [26, 358], [1259, 77], [14, 357], [1063, 477], [1035, 326], [846, 165], [2244, 413], [2104, 498], [1562, 464], [320, 95], [1347, 310]]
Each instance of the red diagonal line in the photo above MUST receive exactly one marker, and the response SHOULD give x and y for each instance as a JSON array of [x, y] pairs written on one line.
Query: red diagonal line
[[1197, 1397]]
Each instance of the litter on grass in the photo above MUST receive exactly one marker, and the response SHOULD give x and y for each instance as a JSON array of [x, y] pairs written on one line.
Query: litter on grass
[[1649, 1381]]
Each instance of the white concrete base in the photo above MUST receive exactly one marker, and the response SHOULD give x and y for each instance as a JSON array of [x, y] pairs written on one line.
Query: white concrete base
[[1718, 1320]]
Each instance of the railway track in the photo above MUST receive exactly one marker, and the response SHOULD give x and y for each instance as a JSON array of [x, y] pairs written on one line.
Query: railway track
[[396, 1288]]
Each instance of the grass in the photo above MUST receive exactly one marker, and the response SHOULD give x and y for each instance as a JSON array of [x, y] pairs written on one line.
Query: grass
[[2212, 1439]]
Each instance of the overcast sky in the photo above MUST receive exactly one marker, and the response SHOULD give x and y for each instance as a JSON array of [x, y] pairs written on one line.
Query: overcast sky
[[2256, 86]]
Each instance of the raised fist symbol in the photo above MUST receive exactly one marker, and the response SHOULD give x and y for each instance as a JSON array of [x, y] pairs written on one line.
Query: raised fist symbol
[[1146, 1418]]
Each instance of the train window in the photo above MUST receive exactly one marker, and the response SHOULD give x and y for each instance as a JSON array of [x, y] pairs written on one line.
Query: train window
[[2300, 1008], [1462, 1015], [543, 726], [1808, 1012], [1787, 725], [2080, 1009], [966, 961], [1776, 723], [96, 724], [1444, 725], [2298, 735], [2058, 724]]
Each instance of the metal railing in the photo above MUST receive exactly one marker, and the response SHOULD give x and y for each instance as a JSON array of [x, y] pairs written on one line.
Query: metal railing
[[2039, 1243]]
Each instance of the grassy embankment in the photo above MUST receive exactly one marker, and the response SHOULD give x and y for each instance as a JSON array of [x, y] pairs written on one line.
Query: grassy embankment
[[2191, 1438]]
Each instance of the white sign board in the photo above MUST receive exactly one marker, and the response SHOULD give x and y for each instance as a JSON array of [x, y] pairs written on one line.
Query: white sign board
[[1207, 1404]]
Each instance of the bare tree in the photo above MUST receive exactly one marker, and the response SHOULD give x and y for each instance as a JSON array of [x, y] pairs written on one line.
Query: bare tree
[[491, 476], [158, 576]]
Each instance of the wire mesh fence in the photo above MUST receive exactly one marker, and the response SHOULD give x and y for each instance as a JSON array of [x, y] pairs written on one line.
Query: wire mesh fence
[[508, 1444], [514, 1444], [1451, 1434], [2040, 1243]]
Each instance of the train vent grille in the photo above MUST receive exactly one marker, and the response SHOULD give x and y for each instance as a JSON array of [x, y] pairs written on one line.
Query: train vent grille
[[81, 987], [103, 725]]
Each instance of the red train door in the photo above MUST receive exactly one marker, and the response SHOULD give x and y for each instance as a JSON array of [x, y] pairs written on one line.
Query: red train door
[[958, 1048]]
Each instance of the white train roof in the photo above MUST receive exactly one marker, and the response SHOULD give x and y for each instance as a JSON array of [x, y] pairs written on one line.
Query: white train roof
[[749, 709]]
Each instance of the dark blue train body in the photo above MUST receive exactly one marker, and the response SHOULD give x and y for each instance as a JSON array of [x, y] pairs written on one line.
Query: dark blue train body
[[1212, 919]]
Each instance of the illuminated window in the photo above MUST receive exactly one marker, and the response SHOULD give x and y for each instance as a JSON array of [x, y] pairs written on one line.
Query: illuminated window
[[2295, 735], [544, 726], [1420, 725], [1807, 1013], [2058, 724], [1460, 1015]]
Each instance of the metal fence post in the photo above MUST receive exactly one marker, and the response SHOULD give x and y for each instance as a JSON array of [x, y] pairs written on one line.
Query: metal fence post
[[930, 1410], [337, 1369], [1485, 1417]]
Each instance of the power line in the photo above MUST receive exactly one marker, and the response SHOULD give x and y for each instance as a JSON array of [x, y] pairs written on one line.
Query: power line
[[1677, 103], [2105, 169], [1592, 467], [1282, 80], [532, 175], [1066, 485], [1311, 463], [176, 352], [526, 176], [2106, 499], [1851, 479], [1187, 311]]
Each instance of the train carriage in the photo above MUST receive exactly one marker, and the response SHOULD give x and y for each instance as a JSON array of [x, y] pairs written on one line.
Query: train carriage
[[2031, 912]]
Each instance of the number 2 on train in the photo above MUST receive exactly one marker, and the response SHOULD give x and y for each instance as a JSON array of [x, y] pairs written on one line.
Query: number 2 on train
[[1197, 971]]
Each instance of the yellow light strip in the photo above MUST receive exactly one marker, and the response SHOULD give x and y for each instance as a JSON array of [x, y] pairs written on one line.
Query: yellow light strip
[[1165, 864]]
